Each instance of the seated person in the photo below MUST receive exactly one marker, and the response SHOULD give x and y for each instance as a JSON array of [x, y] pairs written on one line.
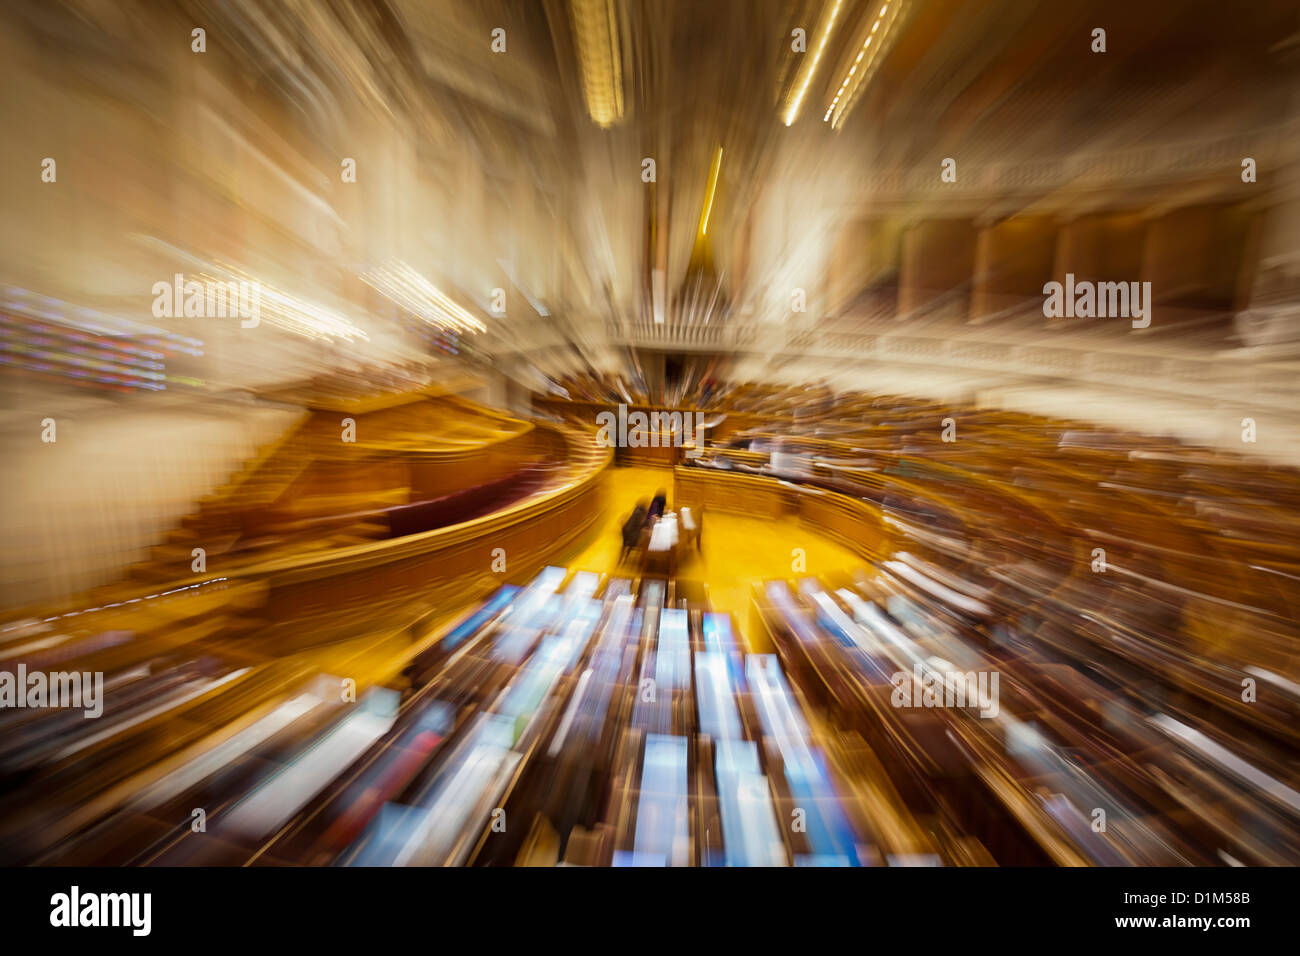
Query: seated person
[[657, 505], [632, 529]]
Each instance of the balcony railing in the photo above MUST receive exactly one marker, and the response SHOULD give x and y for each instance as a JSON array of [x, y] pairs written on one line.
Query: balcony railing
[[728, 336], [1188, 159]]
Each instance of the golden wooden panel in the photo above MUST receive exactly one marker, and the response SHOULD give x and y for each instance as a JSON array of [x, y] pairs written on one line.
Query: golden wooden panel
[[853, 523]]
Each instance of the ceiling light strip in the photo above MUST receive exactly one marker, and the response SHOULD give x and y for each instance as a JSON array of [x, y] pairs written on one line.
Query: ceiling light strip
[[809, 68]]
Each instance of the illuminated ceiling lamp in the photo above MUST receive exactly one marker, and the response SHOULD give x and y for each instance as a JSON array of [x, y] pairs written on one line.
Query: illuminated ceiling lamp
[[595, 32], [803, 79], [870, 56]]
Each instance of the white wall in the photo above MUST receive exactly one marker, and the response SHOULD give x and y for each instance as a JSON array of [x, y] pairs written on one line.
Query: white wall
[[76, 513]]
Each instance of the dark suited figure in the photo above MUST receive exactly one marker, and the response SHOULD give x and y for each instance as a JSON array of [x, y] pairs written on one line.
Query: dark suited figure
[[632, 530], [657, 505]]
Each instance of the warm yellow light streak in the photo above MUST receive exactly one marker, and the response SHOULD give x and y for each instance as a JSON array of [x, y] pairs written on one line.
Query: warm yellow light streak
[[855, 81], [809, 68], [713, 186], [401, 284], [293, 314]]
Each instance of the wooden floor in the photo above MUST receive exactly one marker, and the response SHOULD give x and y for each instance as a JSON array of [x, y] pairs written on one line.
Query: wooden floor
[[735, 551]]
